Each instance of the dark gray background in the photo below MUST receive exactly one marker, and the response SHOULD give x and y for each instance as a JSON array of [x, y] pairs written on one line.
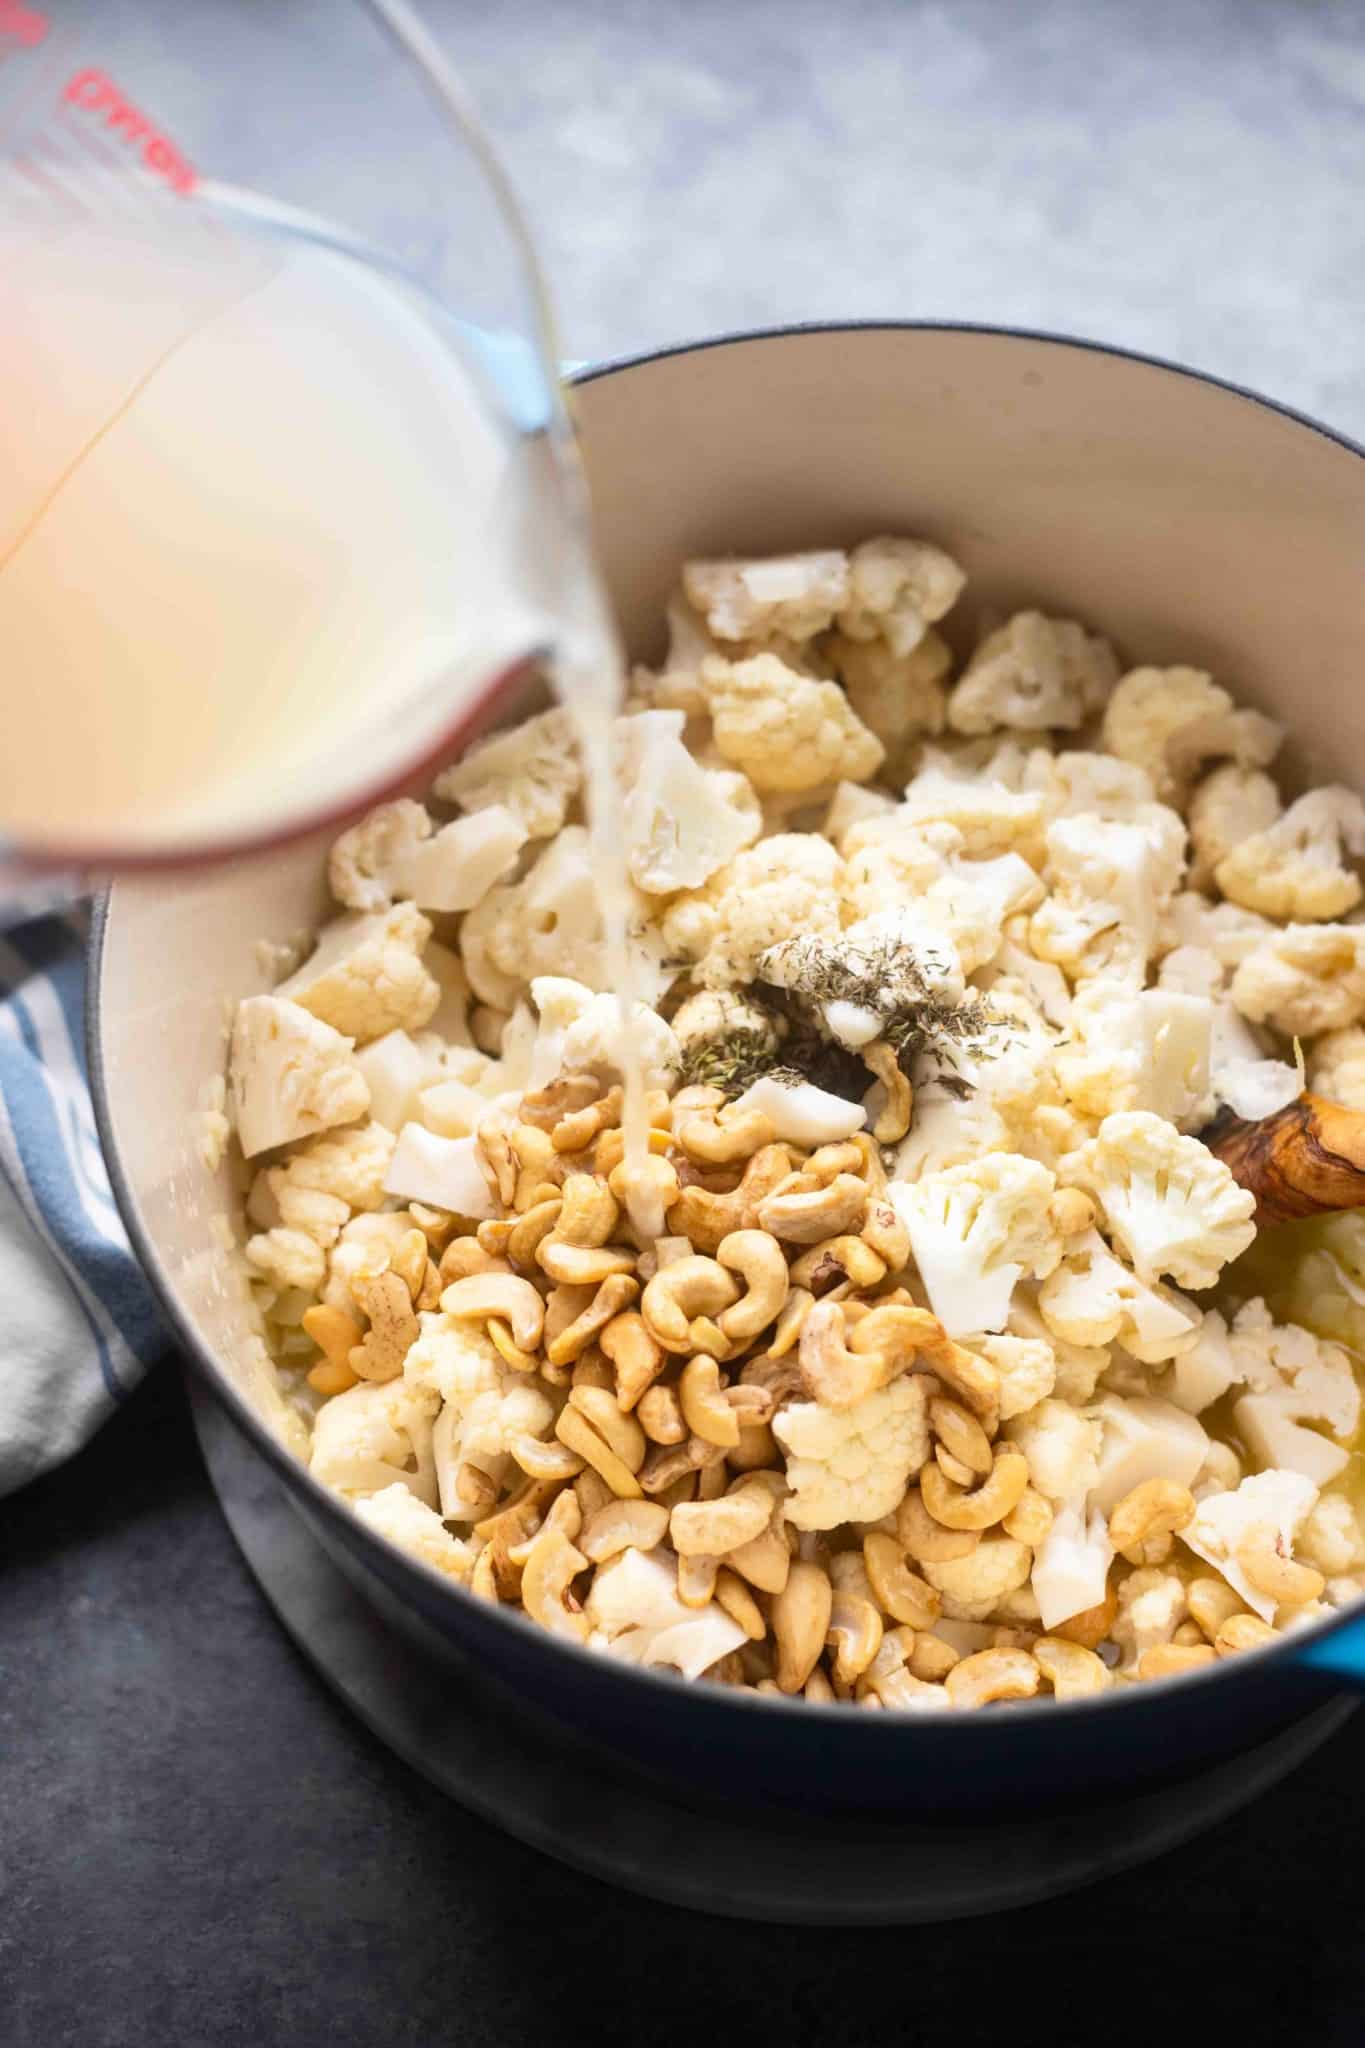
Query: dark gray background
[[196, 1845]]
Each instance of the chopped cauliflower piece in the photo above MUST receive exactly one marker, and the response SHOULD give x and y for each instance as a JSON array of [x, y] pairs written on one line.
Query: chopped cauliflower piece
[[1294, 868], [365, 1243], [948, 1131], [682, 822], [1171, 720], [914, 868], [1079, 1367], [1061, 1447], [1093, 1299], [1336, 1067], [396, 1513], [897, 589], [973, 1586], [975, 1230], [484, 1404], [1027, 1367], [1033, 673], [898, 697], [1138, 1049], [1278, 1501], [444, 1173], [802, 1114], [1330, 1537], [852, 804], [794, 595], [290, 1074], [992, 817], [1203, 1374], [1294, 1379], [548, 923], [348, 1168], [1144, 1438], [362, 864], [1223, 933], [1152, 1605], [365, 976], [1079, 785], [396, 1070], [636, 1614], [1230, 805], [783, 887], [595, 1040], [533, 769], [863, 977], [852, 1464], [676, 684], [786, 731], [1173, 1206], [392, 852], [376, 1435], [1071, 1565], [1109, 883], [1307, 978]]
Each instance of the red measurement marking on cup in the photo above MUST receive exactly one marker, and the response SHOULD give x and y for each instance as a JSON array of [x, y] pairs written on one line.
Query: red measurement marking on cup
[[94, 92], [22, 25]]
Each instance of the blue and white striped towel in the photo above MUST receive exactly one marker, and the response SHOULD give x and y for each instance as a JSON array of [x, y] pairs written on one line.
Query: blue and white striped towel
[[80, 1325]]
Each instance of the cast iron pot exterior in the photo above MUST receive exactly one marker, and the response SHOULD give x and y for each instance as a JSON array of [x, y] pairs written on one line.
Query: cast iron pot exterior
[[1192, 522]]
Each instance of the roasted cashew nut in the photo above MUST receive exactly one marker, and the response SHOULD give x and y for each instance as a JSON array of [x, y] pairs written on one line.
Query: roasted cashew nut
[[549, 1568], [575, 1430], [854, 1634], [576, 1131], [1143, 1522], [761, 1264], [542, 1460], [622, 1525], [801, 1214], [505, 1295], [622, 1432], [991, 1675], [637, 1357], [800, 1622], [1273, 1574], [894, 1121], [616, 1293], [661, 1415], [898, 1591], [464, 1256], [722, 1137], [581, 1265], [961, 1435], [682, 1293], [705, 1409], [646, 1192], [838, 1259], [1243, 1632], [911, 1336], [713, 1528], [831, 1372], [926, 1540], [1173, 1660], [1072, 1672], [704, 1218], [530, 1229], [589, 1211], [734, 1597], [1030, 1521], [885, 1234], [1212, 1602], [667, 1463], [995, 1498], [697, 1580]]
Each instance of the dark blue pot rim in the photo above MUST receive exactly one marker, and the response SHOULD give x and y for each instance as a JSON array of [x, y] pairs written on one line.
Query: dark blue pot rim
[[1333, 1646]]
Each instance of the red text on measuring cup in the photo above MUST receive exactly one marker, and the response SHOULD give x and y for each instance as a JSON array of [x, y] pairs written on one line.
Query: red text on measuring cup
[[23, 25], [96, 93]]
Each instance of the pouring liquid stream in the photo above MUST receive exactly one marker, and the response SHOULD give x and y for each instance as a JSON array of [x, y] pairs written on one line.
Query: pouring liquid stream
[[264, 550]]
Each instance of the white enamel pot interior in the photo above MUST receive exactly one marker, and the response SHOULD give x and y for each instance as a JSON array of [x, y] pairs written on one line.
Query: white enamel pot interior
[[1190, 522]]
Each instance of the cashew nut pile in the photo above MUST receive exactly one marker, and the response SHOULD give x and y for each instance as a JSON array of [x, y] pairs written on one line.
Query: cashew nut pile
[[922, 1356]]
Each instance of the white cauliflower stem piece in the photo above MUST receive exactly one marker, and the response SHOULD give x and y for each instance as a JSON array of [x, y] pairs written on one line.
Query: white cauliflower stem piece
[[1109, 882], [1138, 1049], [786, 731], [973, 1587], [1293, 869], [374, 1436], [1278, 1502], [291, 1075], [1294, 1380], [802, 1114], [1032, 673], [365, 976], [975, 1230], [397, 1513], [852, 1464], [635, 1614], [444, 1173], [1172, 1205], [1305, 979], [533, 769], [1071, 1565], [1144, 1438], [681, 822], [1230, 806], [897, 696], [793, 595], [896, 591], [1171, 720], [1093, 1299]]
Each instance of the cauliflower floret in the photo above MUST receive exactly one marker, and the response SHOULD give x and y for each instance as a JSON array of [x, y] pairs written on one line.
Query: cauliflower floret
[[443, 1173], [301, 1207], [1294, 869], [595, 1041], [376, 1435], [948, 1130], [975, 1230], [784, 886], [1138, 1049], [1171, 720], [1093, 1299], [794, 595], [1330, 1537], [853, 1464], [365, 1242], [413, 1526], [1307, 978], [892, 863], [291, 1075], [533, 769], [1033, 673], [852, 804], [484, 1404], [1203, 1374], [392, 853], [1071, 1566], [973, 1587], [681, 821], [788, 732], [1336, 1067], [897, 589], [287, 1258], [897, 696], [361, 864], [1223, 933], [1151, 1607], [635, 1613], [1172, 1205], [365, 976], [1294, 1379], [1110, 883], [877, 967], [1078, 1367], [1027, 1367], [991, 817], [1015, 972], [676, 684], [551, 923], [396, 1070], [1061, 1447], [1092, 785], [1230, 805], [1279, 1502], [1144, 1438]]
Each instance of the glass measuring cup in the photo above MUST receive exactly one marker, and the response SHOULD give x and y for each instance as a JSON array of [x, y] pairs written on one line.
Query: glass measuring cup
[[287, 475]]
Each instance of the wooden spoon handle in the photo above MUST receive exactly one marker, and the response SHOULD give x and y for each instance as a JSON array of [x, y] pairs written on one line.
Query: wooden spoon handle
[[1306, 1159]]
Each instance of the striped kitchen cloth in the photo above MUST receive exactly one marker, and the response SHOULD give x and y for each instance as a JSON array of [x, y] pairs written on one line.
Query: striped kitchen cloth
[[81, 1327]]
